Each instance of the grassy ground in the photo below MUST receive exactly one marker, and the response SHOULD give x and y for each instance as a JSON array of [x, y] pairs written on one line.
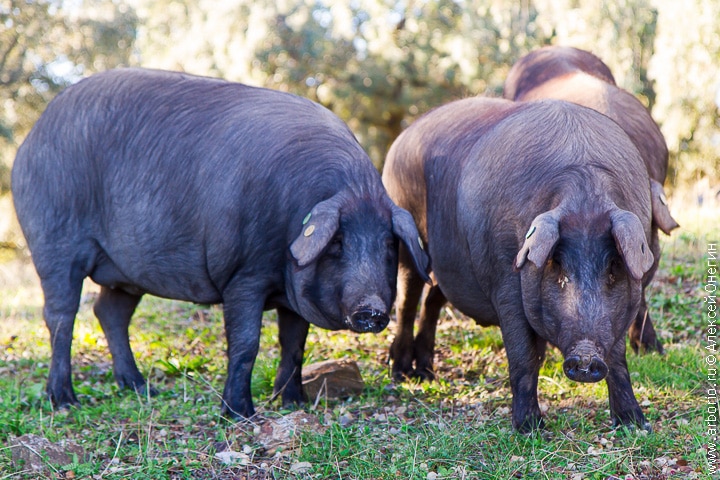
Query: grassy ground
[[456, 428]]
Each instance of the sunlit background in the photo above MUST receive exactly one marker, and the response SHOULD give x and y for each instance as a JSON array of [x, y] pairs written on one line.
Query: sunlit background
[[378, 64]]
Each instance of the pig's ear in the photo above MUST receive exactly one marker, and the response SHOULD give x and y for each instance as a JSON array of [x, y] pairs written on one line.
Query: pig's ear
[[319, 227], [660, 211], [404, 228], [631, 242], [540, 240]]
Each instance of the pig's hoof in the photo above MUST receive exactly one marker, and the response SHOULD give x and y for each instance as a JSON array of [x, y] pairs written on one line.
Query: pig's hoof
[[631, 419], [292, 405], [145, 391], [647, 427], [64, 399], [135, 383], [402, 375], [654, 345], [645, 340], [424, 374], [413, 375], [239, 412], [291, 402], [65, 404], [530, 424], [142, 389], [632, 425]]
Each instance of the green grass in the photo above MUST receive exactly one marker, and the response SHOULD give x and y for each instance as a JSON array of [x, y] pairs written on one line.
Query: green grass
[[458, 427]]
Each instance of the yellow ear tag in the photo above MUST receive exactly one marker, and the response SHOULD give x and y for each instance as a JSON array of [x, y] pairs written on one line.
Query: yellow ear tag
[[309, 230], [422, 247], [663, 199], [530, 232], [307, 218]]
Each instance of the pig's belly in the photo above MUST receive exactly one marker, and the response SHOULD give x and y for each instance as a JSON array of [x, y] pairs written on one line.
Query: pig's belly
[[461, 289], [158, 277]]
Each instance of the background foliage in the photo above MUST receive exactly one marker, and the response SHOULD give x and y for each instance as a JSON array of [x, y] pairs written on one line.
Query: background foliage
[[376, 63]]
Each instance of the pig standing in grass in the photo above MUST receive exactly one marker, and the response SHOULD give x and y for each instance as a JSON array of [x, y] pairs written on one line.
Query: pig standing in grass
[[537, 219], [578, 76], [208, 191]]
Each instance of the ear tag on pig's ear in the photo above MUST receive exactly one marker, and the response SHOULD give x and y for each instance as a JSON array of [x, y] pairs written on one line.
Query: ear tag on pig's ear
[[540, 239], [663, 199], [316, 235], [420, 242], [307, 218]]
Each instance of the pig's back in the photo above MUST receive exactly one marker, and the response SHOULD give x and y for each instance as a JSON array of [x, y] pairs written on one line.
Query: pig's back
[[524, 165], [175, 179]]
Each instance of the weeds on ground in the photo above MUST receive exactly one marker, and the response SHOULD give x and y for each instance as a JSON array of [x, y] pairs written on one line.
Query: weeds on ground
[[458, 427]]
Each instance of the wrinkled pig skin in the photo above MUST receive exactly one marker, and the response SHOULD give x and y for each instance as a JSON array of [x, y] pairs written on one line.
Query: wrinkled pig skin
[[208, 191], [580, 77], [535, 218]]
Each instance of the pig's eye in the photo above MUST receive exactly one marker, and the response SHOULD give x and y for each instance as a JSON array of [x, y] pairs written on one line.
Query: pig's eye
[[336, 246], [614, 271]]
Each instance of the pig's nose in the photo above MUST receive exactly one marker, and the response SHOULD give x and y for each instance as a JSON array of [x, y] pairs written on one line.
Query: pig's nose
[[369, 320], [586, 369]]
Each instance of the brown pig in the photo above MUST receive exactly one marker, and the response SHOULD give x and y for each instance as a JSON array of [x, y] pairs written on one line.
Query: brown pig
[[535, 220], [580, 77]]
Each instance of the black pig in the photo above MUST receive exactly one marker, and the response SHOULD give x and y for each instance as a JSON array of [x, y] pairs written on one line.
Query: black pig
[[579, 76], [207, 191], [535, 220]]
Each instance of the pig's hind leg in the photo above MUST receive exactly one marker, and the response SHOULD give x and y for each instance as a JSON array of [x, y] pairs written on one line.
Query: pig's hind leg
[[292, 330], [643, 337], [62, 291], [114, 308]]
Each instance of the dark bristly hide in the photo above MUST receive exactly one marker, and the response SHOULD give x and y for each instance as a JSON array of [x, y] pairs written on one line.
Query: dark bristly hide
[[536, 219], [207, 191], [580, 77]]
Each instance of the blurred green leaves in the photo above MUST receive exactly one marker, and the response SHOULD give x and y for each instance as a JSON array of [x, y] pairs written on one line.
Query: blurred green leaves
[[378, 64]]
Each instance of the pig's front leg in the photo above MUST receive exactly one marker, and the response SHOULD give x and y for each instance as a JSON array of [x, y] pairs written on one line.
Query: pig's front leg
[[114, 308], [243, 319], [624, 407], [424, 347], [292, 330], [525, 351], [409, 292]]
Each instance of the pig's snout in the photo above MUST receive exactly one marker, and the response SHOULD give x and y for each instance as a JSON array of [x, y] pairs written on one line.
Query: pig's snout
[[585, 369], [368, 319], [584, 363], [370, 315]]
